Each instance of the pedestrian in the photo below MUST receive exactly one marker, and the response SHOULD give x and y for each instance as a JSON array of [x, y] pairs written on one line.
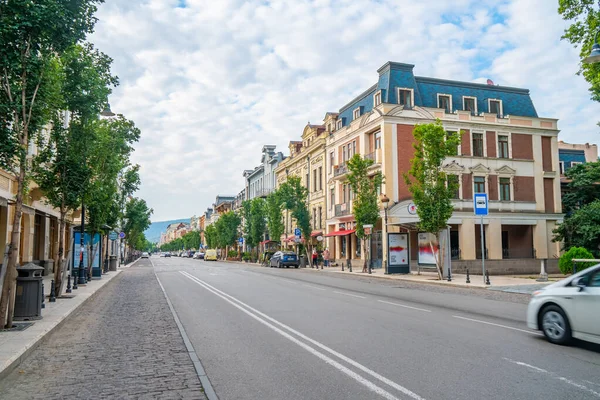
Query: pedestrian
[[315, 256], [326, 258]]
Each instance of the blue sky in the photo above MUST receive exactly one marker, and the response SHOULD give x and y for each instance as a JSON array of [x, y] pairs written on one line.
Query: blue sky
[[209, 83]]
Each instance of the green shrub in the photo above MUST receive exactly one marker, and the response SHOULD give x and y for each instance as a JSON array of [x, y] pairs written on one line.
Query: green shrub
[[232, 253], [246, 256], [566, 265]]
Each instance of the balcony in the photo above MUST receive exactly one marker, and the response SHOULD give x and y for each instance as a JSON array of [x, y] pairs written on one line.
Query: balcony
[[343, 209], [340, 170], [263, 192]]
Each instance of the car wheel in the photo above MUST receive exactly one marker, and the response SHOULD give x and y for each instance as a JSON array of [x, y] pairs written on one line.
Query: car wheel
[[278, 264], [295, 266], [555, 325]]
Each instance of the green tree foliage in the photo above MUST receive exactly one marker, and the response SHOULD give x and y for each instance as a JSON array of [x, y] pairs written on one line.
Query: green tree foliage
[[245, 214], [365, 205], [137, 215], [210, 234], [581, 228], [257, 221], [584, 186], [32, 35], [227, 229], [584, 16], [273, 208], [191, 240], [428, 183], [565, 264], [294, 197]]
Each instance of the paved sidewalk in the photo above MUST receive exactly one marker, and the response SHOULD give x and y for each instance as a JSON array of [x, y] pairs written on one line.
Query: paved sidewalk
[[122, 344]]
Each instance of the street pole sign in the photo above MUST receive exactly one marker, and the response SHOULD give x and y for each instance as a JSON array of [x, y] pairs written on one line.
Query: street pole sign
[[297, 232], [112, 235], [241, 241], [480, 205], [122, 235]]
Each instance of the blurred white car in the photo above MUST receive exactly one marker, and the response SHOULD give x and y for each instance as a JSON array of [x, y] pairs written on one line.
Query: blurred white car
[[569, 308], [145, 255]]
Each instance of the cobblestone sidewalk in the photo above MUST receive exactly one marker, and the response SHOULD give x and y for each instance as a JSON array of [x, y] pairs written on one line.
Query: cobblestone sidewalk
[[123, 344]]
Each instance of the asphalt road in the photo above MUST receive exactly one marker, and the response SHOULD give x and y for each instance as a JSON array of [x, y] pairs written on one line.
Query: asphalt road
[[264, 333]]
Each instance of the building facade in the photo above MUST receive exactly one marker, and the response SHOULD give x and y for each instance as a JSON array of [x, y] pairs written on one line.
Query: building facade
[[570, 154], [261, 181]]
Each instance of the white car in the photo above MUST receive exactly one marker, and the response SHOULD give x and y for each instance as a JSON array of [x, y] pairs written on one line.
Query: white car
[[569, 308], [145, 255]]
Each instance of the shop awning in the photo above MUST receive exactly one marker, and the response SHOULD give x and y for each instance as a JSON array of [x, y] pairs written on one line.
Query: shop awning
[[316, 233], [340, 233]]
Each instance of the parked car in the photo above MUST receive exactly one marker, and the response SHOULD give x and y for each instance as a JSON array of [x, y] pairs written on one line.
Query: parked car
[[210, 255], [145, 255], [168, 254], [191, 254], [284, 258], [568, 308], [183, 254], [199, 255]]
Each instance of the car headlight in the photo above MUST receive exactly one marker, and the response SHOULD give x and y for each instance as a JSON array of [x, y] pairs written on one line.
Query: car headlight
[[537, 293]]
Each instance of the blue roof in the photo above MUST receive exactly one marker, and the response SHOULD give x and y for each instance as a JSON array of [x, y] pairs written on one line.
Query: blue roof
[[515, 101]]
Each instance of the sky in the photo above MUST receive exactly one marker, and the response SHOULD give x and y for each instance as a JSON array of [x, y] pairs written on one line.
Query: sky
[[210, 82]]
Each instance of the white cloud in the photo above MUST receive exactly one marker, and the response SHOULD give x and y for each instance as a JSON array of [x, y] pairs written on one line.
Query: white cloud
[[210, 83]]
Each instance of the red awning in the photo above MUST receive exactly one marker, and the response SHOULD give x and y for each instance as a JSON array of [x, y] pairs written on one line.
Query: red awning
[[316, 233], [267, 241], [340, 233]]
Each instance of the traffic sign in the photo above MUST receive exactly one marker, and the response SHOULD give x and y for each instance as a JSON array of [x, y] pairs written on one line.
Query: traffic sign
[[297, 232], [241, 240], [112, 235], [122, 235], [480, 203]]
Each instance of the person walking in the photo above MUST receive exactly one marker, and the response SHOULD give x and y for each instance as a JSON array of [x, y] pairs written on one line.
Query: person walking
[[326, 258], [315, 256]]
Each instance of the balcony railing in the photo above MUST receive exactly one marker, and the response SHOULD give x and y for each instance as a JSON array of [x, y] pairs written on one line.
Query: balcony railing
[[343, 209], [263, 192], [371, 156], [518, 253], [340, 170]]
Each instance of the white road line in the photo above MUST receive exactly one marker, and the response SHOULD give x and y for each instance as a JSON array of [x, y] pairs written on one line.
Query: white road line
[[402, 305], [314, 287], [314, 342], [498, 325], [348, 294], [555, 376], [370, 385]]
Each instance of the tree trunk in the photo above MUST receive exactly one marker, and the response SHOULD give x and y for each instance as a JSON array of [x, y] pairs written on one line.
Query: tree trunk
[[439, 259], [58, 258], [365, 263], [7, 301]]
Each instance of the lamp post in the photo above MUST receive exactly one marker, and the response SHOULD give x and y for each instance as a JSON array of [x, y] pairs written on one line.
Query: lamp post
[[386, 202], [80, 272], [594, 56]]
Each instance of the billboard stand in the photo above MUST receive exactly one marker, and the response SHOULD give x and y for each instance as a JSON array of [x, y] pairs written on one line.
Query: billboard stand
[[480, 206]]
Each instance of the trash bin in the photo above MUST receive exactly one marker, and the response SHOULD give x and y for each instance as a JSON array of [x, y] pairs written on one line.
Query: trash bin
[[302, 261], [28, 298], [112, 263]]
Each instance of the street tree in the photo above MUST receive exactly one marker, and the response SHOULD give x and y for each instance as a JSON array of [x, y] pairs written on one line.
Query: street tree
[[227, 230], [273, 209], [429, 185], [32, 35], [137, 215], [257, 221], [365, 204], [294, 197], [584, 18], [245, 215], [210, 234], [191, 240]]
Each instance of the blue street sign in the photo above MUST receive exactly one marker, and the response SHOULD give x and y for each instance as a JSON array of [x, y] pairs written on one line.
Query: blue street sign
[[297, 232], [480, 203], [241, 240], [122, 235]]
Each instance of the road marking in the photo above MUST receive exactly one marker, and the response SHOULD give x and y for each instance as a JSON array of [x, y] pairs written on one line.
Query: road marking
[[402, 305], [350, 361], [554, 376], [314, 287], [348, 294], [498, 325]]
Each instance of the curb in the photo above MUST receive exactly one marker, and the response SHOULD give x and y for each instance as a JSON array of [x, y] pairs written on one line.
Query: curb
[[15, 363]]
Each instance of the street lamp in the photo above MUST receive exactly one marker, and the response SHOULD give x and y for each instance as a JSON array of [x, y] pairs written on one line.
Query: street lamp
[[594, 56], [107, 112], [386, 203]]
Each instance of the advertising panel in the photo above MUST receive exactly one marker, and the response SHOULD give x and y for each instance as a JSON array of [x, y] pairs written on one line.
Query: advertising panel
[[428, 248]]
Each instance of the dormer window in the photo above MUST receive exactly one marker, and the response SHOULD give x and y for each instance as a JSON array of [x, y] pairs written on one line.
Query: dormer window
[[356, 113], [445, 102], [377, 99], [470, 104], [339, 124], [405, 97], [495, 107]]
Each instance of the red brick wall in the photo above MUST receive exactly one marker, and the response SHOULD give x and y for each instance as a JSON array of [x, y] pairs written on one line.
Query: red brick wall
[[406, 152], [467, 186], [522, 146], [466, 142], [547, 153], [524, 188], [493, 185], [491, 143], [549, 194]]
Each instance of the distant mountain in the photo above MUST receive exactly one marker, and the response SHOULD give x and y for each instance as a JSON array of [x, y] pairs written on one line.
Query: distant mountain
[[154, 230]]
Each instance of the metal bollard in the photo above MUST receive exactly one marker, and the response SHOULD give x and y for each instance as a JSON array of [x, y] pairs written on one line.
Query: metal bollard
[[75, 287], [52, 298], [43, 297], [349, 264], [487, 277], [449, 275], [468, 278], [69, 284]]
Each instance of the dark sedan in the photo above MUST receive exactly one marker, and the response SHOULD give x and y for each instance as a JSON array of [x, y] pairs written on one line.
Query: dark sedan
[[284, 258]]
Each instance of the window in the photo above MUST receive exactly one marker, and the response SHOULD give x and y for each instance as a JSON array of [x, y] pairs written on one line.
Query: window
[[470, 104], [314, 180], [339, 124], [344, 198], [504, 189], [356, 113], [320, 178], [377, 99], [353, 147], [320, 221], [561, 166], [377, 140], [477, 144], [331, 198], [454, 186], [451, 134], [331, 161], [405, 98], [314, 224], [502, 146], [344, 154], [479, 184], [445, 102], [495, 107], [574, 163]]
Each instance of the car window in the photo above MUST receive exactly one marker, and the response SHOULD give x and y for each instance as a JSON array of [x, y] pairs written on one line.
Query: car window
[[594, 280]]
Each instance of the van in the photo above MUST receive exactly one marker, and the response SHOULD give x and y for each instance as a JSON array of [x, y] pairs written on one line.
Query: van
[[210, 255]]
